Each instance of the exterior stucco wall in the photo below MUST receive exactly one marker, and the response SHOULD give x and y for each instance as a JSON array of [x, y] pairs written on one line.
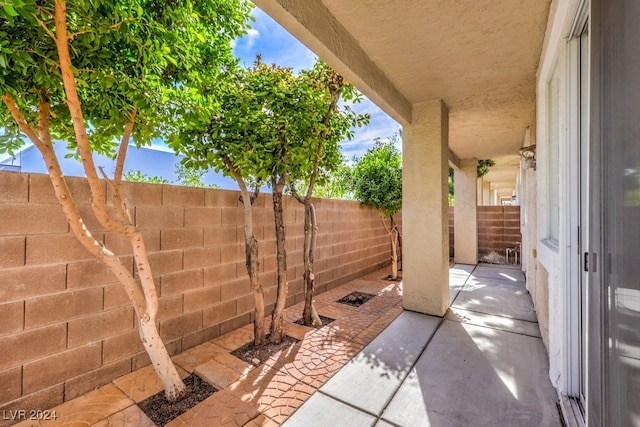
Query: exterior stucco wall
[[541, 301], [547, 258]]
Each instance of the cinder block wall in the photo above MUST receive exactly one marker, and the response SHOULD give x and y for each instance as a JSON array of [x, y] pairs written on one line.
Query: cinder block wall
[[66, 324], [498, 229]]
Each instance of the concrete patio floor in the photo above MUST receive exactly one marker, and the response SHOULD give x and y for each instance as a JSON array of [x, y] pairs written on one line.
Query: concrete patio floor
[[483, 364]]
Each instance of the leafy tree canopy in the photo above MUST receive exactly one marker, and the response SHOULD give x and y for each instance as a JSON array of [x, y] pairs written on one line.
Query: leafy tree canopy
[[377, 177], [484, 166], [262, 114], [128, 55], [329, 104]]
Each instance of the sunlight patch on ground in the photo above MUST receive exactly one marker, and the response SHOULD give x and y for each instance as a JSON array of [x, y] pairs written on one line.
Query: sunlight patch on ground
[[469, 286], [488, 348], [506, 276]]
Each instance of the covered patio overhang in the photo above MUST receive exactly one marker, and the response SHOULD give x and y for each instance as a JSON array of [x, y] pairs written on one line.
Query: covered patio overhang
[[460, 78]]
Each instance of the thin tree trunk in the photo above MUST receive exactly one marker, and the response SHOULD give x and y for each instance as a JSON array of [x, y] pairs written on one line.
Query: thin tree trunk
[[251, 253], [144, 303], [253, 265], [277, 317], [174, 388], [399, 239], [393, 234], [310, 314]]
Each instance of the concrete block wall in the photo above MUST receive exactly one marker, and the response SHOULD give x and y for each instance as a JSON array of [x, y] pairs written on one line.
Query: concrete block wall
[[67, 325], [498, 229]]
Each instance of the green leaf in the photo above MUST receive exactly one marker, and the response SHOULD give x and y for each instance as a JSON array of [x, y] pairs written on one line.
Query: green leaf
[[9, 10]]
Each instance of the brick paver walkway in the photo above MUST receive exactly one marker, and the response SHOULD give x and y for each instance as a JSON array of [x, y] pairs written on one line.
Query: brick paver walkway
[[253, 396]]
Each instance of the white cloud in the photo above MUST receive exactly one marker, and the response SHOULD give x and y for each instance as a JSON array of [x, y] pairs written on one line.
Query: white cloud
[[252, 36], [276, 45]]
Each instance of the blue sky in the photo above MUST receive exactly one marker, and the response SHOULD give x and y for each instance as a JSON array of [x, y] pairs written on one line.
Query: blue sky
[[276, 45]]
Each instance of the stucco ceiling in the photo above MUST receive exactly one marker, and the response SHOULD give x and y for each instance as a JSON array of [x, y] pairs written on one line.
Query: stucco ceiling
[[503, 174], [479, 56]]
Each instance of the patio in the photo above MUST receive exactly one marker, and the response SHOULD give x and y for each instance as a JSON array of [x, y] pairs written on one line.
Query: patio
[[483, 364]]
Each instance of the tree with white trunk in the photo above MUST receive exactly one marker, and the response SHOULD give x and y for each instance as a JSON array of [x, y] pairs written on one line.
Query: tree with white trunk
[[99, 75]]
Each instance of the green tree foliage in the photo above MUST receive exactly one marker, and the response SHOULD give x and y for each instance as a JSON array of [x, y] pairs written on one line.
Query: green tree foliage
[[188, 177], [484, 166], [126, 54], [192, 177], [317, 158], [94, 72], [377, 182], [335, 185], [377, 177], [138, 176]]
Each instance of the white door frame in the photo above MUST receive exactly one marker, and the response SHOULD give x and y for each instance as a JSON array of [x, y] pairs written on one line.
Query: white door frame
[[576, 224]]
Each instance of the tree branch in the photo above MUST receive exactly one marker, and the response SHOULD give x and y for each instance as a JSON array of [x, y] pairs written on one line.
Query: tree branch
[[335, 96], [385, 224], [71, 36], [20, 120], [256, 192], [82, 138], [65, 199], [122, 151], [44, 111], [238, 177], [44, 27], [294, 193]]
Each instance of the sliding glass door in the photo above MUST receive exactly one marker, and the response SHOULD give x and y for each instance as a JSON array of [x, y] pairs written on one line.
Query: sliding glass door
[[614, 270]]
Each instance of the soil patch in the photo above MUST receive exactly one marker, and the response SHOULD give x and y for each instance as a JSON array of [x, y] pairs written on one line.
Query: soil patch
[[258, 355], [397, 279], [355, 299], [325, 321], [161, 411]]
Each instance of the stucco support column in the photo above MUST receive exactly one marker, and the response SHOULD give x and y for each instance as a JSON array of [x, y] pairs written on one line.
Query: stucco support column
[[486, 193], [465, 212], [425, 225]]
